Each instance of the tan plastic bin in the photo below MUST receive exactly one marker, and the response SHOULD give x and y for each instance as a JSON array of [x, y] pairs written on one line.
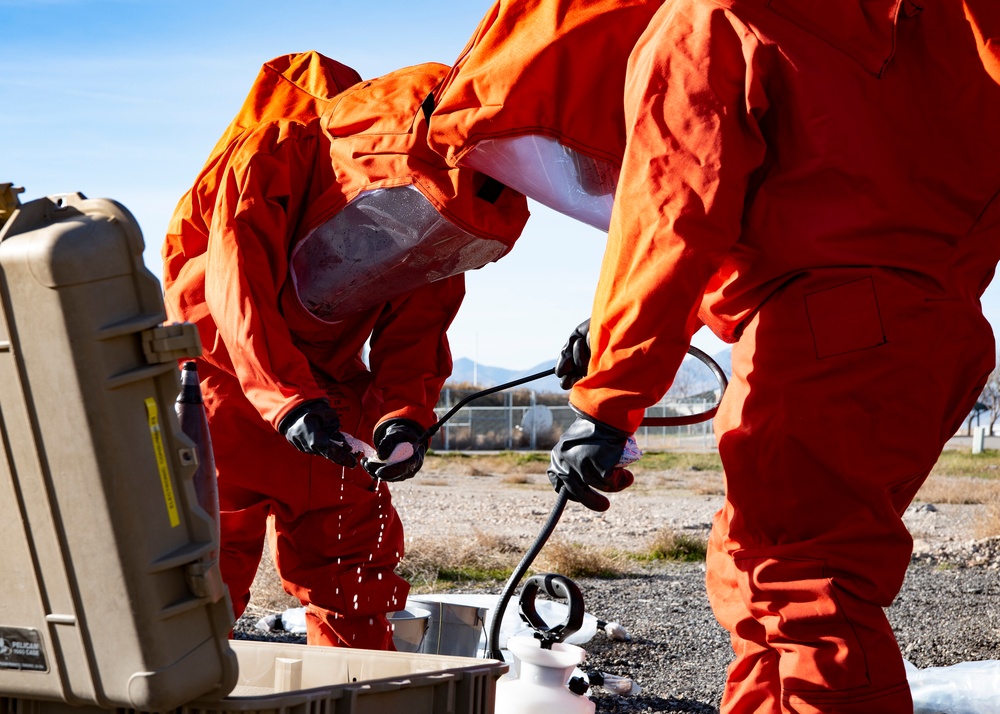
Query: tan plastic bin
[[109, 595], [286, 678]]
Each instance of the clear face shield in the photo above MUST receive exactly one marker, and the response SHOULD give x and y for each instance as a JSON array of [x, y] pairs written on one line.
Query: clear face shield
[[557, 176], [385, 243]]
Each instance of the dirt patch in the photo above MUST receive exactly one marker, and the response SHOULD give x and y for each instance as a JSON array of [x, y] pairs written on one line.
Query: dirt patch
[[477, 499]]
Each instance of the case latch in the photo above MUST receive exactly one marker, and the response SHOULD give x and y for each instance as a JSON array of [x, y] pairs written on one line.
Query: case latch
[[169, 343], [205, 580], [8, 201]]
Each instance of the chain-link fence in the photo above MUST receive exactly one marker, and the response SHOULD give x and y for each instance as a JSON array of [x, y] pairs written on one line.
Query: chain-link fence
[[523, 422]]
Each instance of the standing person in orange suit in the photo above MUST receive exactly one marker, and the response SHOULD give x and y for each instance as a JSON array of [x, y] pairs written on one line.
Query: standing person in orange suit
[[320, 222], [818, 183]]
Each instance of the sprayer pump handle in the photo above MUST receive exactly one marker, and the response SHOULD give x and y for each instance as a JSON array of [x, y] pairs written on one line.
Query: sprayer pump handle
[[555, 586]]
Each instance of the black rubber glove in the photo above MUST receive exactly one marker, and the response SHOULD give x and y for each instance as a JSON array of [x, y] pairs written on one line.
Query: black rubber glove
[[575, 356], [388, 435], [586, 458], [314, 428]]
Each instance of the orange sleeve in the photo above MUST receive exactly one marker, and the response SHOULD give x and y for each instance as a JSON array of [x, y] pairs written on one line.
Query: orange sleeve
[[410, 357], [692, 144], [258, 203], [984, 16]]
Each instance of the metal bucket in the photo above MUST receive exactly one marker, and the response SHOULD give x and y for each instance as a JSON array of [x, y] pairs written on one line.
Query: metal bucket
[[409, 628], [454, 628]]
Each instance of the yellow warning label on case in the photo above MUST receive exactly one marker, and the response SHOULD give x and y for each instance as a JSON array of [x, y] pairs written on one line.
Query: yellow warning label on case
[[153, 416]]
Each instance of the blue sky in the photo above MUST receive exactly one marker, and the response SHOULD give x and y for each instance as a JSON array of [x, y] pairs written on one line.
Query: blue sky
[[124, 99]]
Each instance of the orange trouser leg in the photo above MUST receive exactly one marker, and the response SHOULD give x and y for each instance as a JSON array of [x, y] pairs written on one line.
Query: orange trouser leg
[[846, 385], [330, 629], [335, 538]]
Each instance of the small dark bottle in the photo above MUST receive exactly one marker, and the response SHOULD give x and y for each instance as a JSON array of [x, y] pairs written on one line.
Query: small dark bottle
[[194, 423]]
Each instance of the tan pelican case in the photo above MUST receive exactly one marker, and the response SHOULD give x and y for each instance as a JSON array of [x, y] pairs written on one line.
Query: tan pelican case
[[109, 596]]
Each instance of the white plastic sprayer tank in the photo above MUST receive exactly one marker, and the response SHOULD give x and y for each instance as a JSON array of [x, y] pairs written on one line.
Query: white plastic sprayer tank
[[540, 684]]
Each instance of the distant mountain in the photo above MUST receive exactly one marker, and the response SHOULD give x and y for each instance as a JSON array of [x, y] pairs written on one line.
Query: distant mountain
[[465, 370], [692, 378]]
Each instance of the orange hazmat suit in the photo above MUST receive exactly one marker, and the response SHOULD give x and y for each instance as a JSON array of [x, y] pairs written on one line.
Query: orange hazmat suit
[[820, 184], [286, 255]]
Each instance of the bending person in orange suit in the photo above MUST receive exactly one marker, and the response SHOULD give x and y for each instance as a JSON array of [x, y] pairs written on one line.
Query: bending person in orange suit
[[820, 186], [320, 222]]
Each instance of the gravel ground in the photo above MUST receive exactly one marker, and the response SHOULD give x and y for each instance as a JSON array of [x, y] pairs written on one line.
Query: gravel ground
[[947, 612]]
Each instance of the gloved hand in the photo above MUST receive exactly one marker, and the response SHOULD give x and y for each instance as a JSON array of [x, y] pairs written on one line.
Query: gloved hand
[[586, 458], [574, 357], [390, 434], [313, 427]]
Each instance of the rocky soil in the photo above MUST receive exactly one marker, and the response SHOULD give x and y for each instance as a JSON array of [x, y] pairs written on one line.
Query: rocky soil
[[948, 611]]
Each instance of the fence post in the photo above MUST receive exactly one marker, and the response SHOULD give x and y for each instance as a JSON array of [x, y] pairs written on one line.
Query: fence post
[[978, 439], [534, 425], [509, 399], [447, 431]]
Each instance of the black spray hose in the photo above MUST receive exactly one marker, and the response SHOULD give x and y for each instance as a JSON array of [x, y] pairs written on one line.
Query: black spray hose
[[429, 434], [701, 416], [493, 639]]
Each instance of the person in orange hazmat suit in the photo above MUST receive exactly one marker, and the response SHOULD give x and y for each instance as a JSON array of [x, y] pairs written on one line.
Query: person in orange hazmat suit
[[322, 220], [819, 184]]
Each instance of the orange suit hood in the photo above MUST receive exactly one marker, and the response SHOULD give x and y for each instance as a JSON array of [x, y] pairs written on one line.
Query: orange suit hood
[[296, 87], [378, 139], [535, 100]]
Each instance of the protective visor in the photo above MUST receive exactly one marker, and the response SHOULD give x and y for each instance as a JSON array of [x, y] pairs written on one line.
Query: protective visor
[[383, 244], [556, 176]]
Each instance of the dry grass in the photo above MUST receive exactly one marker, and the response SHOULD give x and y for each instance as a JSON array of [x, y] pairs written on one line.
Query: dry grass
[[575, 560], [434, 482], [671, 545], [654, 461], [267, 594], [988, 525], [502, 463], [958, 462], [449, 562], [965, 478], [516, 479], [959, 489]]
